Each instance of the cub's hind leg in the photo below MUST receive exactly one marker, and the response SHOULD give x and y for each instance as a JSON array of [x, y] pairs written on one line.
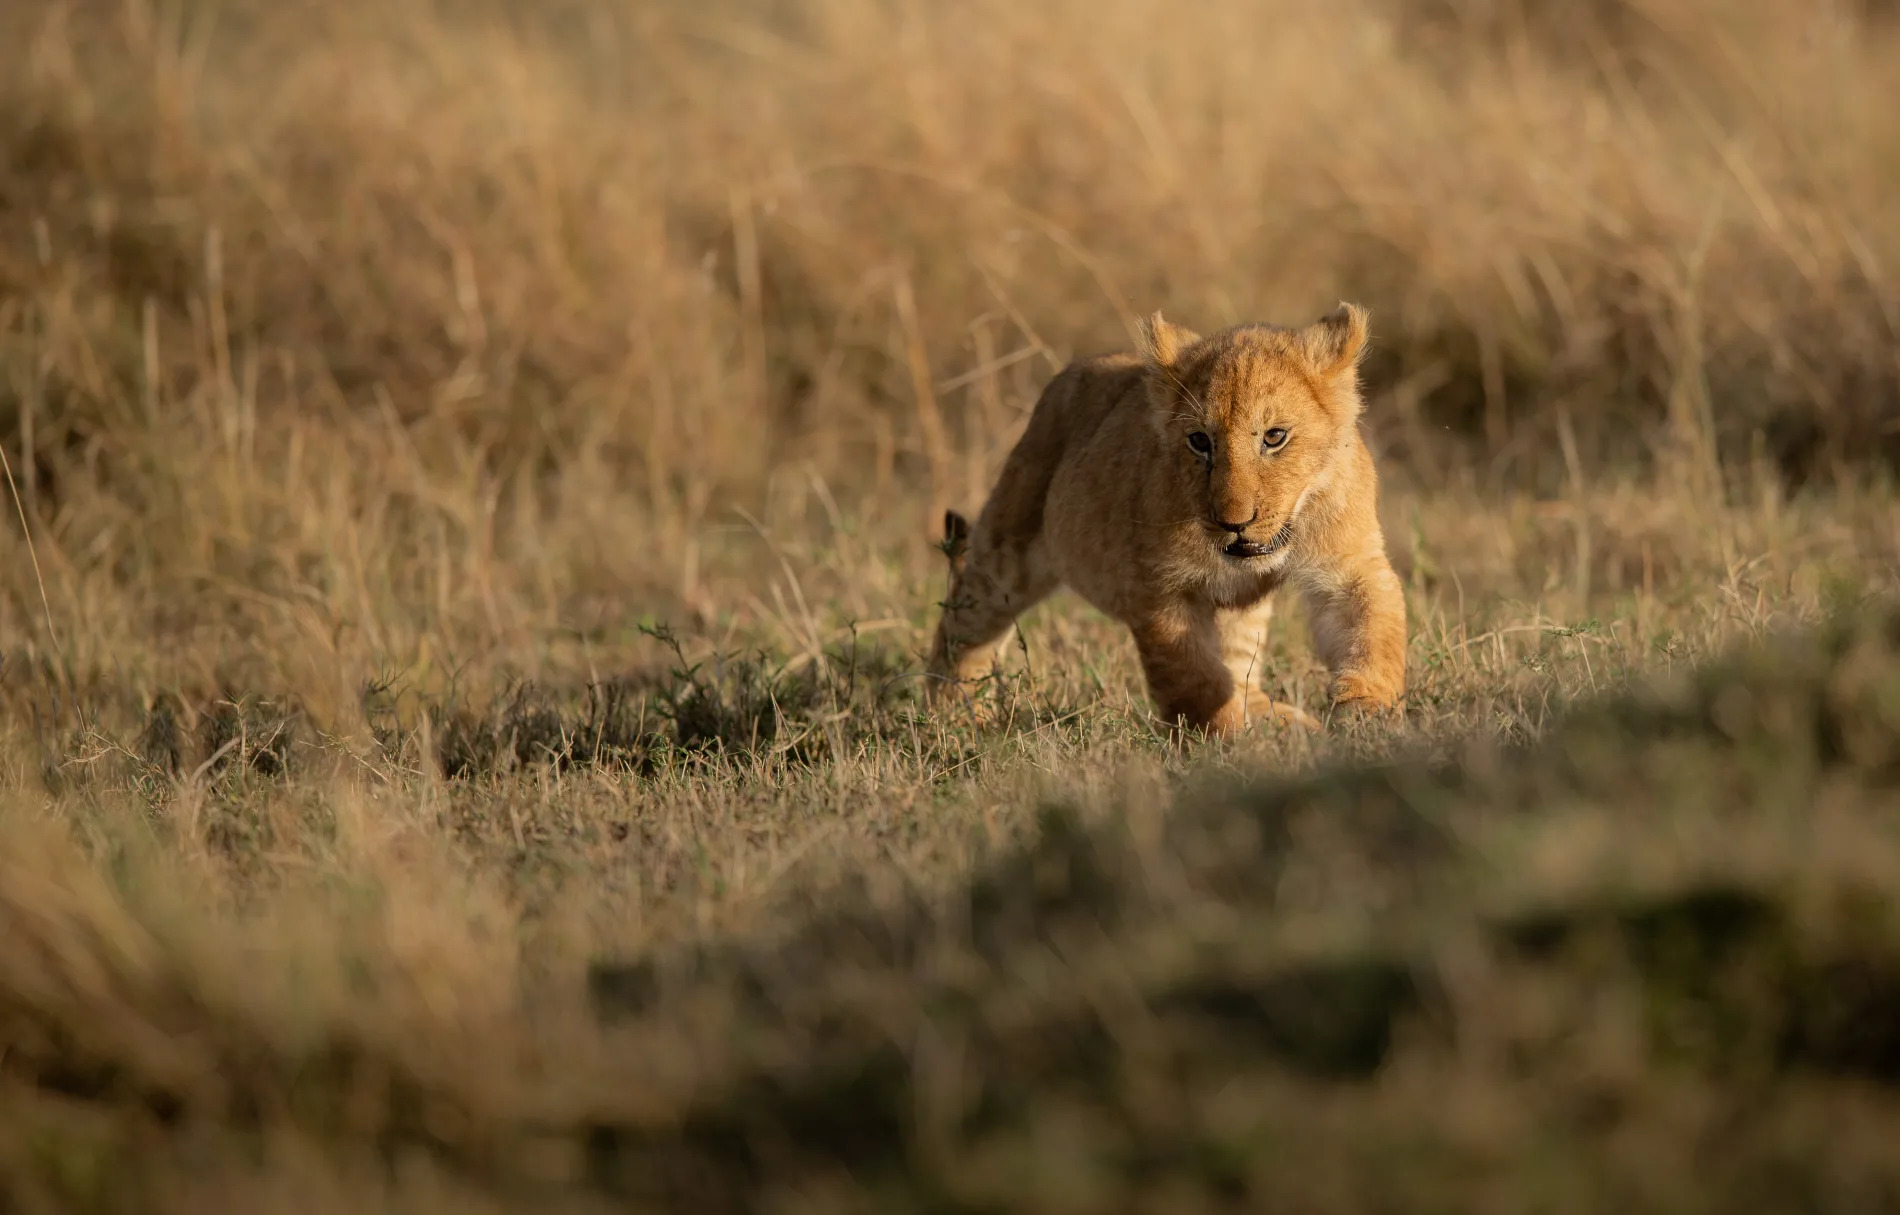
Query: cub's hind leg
[[994, 578]]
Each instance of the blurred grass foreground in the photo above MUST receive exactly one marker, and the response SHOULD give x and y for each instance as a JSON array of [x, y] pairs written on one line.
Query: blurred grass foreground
[[1651, 963], [459, 743]]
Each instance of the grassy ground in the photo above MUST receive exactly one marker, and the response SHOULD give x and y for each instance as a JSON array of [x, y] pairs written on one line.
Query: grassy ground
[[459, 743]]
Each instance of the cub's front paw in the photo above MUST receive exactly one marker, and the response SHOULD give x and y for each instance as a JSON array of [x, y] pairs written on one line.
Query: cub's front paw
[[1366, 693], [1253, 710], [1262, 709]]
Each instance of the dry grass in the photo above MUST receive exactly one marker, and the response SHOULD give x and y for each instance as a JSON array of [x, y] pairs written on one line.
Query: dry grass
[[480, 460]]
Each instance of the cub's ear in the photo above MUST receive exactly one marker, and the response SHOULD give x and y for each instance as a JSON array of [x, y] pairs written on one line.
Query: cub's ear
[[1163, 341], [1335, 341]]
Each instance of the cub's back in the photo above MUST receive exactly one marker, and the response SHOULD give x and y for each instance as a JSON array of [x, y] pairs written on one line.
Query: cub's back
[[1071, 410]]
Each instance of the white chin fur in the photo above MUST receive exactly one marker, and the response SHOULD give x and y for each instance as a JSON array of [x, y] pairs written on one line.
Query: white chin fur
[[1232, 582]]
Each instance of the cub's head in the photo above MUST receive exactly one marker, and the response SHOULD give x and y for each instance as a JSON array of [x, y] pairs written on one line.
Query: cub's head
[[1257, 417]]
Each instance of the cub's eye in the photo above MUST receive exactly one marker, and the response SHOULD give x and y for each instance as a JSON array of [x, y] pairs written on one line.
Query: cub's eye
[[1274, 438], [1201, 443]]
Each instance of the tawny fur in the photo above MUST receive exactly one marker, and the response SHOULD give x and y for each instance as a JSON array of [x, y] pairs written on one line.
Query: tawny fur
[[1105, 495]]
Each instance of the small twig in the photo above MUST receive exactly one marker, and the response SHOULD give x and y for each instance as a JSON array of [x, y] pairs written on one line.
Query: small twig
[[33, 554], [213, 759]]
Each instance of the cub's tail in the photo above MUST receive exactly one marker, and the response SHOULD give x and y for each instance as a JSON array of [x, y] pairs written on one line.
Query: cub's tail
[[956, 540]]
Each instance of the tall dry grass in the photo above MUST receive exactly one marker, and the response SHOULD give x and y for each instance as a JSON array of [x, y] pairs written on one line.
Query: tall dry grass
[[329, 328]]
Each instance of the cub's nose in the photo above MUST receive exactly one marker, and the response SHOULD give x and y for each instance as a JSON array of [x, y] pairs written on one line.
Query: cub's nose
[[1238, 528]]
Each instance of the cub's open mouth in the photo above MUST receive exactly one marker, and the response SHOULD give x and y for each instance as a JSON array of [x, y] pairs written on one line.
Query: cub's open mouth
[[1243, 549]]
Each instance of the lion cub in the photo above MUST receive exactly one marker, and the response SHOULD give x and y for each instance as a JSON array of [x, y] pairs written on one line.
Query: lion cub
[[1176, 490]]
